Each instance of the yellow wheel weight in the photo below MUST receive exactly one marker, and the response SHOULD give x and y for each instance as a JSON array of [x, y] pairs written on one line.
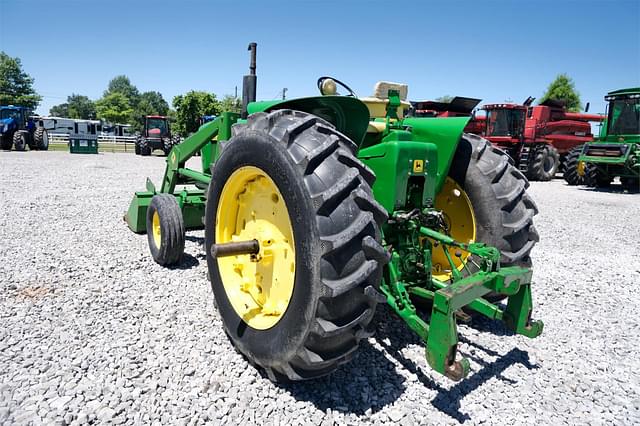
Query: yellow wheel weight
[[157, 232], [460, 219], [259, 287]]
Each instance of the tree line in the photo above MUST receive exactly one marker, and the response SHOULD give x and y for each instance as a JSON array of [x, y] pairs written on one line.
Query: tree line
[[123, 103]]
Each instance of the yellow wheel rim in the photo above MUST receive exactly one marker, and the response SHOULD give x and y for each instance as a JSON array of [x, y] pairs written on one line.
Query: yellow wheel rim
[[458, 215], [580, 168], [157, 233], [260, 286]]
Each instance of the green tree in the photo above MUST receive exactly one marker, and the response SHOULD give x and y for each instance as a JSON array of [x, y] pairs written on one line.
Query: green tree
[[81, 107], [16, 86], [230, 103], [190, 107], [122, 84], [77, 106], [120, 93], [61, 110], [114, 108], [563, 89]]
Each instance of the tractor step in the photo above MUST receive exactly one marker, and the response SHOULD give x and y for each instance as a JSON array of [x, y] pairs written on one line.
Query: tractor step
[[523, 163]]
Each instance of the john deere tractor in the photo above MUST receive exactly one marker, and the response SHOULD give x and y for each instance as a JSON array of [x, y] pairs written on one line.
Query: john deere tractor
[[19, 129], [616, 152], [318, 209], [156, 134]]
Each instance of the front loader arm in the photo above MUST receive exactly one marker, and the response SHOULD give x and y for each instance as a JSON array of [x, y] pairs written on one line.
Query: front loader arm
[[192, 201]]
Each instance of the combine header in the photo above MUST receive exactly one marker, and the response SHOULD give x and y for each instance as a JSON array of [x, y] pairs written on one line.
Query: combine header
[[317, 209], [457, 107]]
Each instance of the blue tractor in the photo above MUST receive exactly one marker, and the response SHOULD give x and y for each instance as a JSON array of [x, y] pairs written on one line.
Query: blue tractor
[[19, 129]]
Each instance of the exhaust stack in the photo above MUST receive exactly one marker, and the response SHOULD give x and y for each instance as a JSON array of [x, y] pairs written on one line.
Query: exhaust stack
[[249, 82]]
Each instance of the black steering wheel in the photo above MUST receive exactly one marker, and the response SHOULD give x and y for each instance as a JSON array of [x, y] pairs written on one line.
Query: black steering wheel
[[321, 81]]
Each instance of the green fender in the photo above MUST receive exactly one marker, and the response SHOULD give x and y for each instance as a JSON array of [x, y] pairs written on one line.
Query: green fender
[[349, 115], [445, 133]]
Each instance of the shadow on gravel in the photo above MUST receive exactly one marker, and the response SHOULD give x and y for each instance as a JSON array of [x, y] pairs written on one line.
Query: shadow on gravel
[[370, 381], [363, 386], [188, 262], [448, 401], [613, 189], [194, 239]]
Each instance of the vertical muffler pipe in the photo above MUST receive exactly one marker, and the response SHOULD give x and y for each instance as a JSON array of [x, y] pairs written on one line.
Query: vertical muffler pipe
[[249, 82]]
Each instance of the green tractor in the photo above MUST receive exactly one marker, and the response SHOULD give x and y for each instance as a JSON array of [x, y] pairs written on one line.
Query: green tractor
[[616, 152], [317, 209]]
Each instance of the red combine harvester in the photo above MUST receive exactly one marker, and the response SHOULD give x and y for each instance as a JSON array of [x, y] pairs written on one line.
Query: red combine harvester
[[538, 137]]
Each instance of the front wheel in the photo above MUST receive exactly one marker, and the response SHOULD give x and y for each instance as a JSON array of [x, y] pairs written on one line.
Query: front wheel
[[596, 177], [298, 306], [574, 169], [544, 164], [165, 229]]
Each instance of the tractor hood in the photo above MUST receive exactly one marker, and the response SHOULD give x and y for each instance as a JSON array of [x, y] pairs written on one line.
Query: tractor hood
[[349, 115]]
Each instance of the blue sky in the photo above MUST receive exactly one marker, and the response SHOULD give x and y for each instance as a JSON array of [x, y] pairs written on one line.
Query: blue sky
[[494, 50]]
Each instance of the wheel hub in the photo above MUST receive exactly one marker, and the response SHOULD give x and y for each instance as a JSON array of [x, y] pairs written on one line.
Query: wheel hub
[[456, 207], [259, 286], [157, 233]]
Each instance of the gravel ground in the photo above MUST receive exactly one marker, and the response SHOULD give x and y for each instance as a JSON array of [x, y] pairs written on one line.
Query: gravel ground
[[92, 330]]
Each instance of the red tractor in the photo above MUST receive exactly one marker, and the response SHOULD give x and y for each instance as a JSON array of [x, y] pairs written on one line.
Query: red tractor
[[156, 134], [538, 137]]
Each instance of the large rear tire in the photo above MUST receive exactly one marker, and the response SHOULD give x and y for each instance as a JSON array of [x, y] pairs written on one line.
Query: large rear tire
[[545, 161], [502, 208], [304, 163], [20, 140], [41, 139], [572, 173], [143, 147]]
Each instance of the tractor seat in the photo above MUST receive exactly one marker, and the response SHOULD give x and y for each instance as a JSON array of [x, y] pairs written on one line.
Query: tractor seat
[[377, 103]]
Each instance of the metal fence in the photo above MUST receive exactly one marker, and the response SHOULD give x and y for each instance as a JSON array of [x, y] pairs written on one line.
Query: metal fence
[[60, 142]]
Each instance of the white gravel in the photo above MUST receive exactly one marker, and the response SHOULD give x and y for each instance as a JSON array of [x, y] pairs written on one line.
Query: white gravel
[[92, 330]]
